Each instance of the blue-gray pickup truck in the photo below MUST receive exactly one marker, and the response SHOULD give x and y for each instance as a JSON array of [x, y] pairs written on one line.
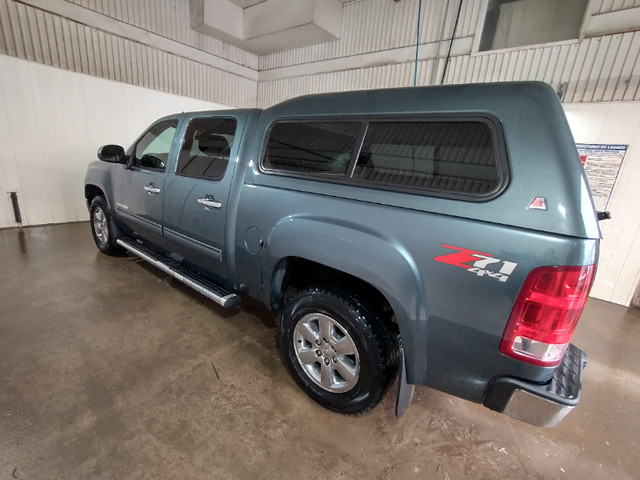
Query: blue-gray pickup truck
[[444, 235]]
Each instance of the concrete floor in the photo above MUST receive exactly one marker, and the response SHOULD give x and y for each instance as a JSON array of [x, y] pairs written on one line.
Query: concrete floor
[[110, 370]]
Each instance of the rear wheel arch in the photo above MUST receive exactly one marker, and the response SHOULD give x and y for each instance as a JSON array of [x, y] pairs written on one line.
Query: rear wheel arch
[[355, 254], [292, 274], [403, 303], [352, 252]]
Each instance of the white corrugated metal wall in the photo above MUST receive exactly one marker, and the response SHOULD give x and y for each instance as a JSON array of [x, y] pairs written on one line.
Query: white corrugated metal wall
[[151, 45], [605, 6], [379, 25], [377, 49]]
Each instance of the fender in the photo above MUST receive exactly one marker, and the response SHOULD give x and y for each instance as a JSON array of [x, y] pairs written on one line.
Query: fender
[[373, 256], [100, 175]]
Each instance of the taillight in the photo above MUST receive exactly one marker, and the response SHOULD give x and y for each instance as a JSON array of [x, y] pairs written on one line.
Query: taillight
[[546, 314]]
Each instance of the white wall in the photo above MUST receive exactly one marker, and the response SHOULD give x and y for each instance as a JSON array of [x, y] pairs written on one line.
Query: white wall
[[615, 123], [51, 123]]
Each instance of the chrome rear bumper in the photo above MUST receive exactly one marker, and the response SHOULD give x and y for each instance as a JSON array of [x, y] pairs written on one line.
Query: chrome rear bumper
[[541, 405]]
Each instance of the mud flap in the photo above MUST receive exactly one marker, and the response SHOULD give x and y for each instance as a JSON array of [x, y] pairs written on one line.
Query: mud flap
[[405, 391]]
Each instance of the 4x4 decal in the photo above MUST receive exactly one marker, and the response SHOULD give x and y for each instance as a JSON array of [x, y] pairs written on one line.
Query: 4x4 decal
[[482, 264]]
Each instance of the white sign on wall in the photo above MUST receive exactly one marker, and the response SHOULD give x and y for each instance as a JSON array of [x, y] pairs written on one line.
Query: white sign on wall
[[601, 164]]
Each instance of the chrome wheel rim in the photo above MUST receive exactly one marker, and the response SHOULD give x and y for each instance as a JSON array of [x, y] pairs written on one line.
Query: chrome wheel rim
[[326, 352], [100, 226]]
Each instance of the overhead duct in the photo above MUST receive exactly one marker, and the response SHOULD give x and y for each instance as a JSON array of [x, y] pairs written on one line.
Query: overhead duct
[[270, 26]]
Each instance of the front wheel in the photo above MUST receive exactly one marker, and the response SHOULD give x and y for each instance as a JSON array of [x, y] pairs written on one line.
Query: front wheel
[[338, 349], [105, 231]]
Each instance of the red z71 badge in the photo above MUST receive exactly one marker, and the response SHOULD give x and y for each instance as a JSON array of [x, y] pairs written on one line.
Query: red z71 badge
[[482, 264]]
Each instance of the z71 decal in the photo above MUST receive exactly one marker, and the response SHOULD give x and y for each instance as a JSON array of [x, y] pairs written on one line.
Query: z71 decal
[[482, 264]]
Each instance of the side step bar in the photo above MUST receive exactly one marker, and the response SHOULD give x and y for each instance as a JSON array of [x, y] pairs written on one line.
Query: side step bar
[[205, 287]]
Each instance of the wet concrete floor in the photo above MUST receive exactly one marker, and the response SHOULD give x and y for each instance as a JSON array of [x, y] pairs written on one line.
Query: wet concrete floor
[[111, 370]]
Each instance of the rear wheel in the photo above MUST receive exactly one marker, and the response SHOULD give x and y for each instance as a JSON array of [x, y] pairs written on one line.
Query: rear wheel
[[105, 231], [338, 349]]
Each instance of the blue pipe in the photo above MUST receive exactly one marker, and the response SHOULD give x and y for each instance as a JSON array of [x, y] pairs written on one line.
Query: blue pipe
[[415, 75]]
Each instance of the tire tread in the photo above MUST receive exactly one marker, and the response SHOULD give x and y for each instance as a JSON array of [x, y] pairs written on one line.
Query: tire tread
[[381, 346]]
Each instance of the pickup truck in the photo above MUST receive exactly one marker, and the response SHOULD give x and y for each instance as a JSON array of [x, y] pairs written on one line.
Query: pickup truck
[[445, 236]]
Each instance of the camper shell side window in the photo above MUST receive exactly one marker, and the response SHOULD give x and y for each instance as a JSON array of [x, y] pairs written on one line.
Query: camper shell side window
[[451, 157]]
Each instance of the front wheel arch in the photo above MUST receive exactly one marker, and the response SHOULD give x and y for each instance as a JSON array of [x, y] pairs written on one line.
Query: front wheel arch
[[91, 192]]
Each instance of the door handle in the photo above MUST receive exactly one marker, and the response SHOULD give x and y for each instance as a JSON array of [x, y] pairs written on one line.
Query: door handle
[[209, 201], [151, 188]]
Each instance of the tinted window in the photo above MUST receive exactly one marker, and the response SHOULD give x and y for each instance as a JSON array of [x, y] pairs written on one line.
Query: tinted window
[[324, 148], [152, 151], [206, 148], [455, 157]]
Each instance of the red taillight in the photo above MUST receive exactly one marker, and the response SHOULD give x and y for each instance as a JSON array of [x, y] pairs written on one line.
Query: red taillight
[[546, 313]]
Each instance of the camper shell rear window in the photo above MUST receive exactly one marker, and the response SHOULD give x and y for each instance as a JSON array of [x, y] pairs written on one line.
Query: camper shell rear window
[[451, 157]]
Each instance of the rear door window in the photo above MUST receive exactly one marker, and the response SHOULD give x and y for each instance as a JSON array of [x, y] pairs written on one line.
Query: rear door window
[[206, 148]]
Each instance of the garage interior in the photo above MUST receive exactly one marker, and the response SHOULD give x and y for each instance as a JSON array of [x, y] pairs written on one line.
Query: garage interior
[[110, 369]]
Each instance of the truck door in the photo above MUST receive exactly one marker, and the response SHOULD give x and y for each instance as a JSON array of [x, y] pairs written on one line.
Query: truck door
[[196, 196], [138, 197]]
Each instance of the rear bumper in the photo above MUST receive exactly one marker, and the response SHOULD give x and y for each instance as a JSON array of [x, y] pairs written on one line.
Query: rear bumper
[[541, 405]]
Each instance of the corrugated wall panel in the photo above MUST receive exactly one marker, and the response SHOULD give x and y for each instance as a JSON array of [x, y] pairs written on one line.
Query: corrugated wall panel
[[170, 19], [606, 6], [594, 70], [250, 3], [617, 65], [472, 12], [602, 82], [42, 37], [396, 75], [592, 67], [376, 25], [632, 79], [367, 26], [597, 68]]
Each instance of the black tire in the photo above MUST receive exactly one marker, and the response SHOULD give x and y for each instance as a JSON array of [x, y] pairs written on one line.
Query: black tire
[[338, 349], [105, 231]]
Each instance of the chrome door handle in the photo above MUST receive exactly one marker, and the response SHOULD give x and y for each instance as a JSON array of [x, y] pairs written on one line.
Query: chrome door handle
[[151, 188], [209, 201]]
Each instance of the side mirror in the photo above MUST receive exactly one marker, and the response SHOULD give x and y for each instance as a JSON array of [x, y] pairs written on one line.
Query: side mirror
[[111, 154]]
